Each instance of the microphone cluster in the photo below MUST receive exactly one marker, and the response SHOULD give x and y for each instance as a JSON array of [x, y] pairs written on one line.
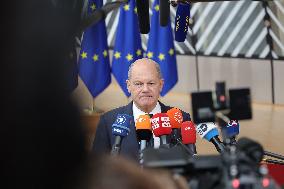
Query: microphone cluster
[[182, 18], [169, 127]]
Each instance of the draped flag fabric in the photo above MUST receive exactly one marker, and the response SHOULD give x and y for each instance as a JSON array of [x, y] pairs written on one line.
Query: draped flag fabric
[[127, 46], [94, 59], [161, 49]]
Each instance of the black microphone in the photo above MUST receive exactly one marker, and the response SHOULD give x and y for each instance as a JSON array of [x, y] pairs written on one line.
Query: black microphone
[[182, 21], [120, 129], [143, 15], [164, 12]]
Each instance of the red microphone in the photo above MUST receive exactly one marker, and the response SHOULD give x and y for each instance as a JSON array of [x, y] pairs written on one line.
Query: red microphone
[[176, 119], [161, 126], [188, 135]]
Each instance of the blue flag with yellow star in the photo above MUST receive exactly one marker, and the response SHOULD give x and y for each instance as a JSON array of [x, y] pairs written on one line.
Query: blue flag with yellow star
[[161, 49], [94, 59], [127, 46]]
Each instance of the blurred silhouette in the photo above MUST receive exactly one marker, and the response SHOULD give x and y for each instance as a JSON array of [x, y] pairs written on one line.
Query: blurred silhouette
[[42, 141], [116, 172]]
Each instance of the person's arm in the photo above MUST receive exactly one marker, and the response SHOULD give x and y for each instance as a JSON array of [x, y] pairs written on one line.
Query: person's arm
[[101, 143]]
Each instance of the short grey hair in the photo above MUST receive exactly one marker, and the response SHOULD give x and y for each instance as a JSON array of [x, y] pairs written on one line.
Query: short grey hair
[[158, 68]]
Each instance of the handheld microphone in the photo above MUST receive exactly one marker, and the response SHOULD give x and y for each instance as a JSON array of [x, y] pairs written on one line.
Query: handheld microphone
[[143, 133], [143, 130], [161, 127], [176, 119], [230, 132], [143, 15], [182, 21], [120, 129], [210, 133], [164, 12], [188, 135]]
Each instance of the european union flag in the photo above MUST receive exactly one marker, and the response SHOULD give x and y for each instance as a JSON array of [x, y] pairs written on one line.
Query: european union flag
[[94, 59], [161, 49], [127, 47]]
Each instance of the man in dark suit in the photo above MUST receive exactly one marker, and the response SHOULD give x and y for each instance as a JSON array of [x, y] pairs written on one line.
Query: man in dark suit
[[144, 84]]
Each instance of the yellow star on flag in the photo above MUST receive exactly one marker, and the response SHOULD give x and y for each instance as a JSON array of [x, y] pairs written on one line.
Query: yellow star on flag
[[117, 55], [93, 6], [96, 57], [105, 53], [150, 54], [138, 52], [161, 56], [171, 52], [129, 57], [135, 10], [126, 7], [84, 55], [157, 8]]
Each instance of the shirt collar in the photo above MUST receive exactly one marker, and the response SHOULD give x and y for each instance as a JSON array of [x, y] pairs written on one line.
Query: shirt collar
[[137, 112]]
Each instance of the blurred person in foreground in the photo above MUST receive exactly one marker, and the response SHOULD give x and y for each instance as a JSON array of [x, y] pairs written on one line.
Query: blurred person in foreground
[[117, 172], [42, 141], [144, 83]]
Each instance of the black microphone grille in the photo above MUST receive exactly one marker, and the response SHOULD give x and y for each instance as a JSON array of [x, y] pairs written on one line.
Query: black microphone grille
[[143, 15], [164, 12], [251, 148]]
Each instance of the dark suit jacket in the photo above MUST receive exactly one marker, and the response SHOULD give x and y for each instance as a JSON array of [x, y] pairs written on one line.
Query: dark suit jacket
[[129, 148]]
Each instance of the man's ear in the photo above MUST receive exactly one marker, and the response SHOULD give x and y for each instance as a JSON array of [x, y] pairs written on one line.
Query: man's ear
[[161, 84], [128, 85]]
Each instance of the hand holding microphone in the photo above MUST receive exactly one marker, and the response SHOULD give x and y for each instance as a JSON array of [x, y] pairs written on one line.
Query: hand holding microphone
[[120, 129]]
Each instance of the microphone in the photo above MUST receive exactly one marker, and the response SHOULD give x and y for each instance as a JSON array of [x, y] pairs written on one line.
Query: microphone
[[164, 12], [143, 15], [143, 133], [210, 133], [120, 129], [188, 135], [230, 131], [143, 130], [182, 21], [176, 119], [161, 127]]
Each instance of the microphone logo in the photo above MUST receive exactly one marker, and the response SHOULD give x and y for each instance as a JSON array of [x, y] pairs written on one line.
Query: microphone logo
[[155, 123], [120, 119], [178, 117], [165, 122], [202, 129], [233, 123]]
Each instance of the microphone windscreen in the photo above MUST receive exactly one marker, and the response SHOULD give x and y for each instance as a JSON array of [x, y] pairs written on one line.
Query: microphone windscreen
[[232, 129], [176, 118], [164, 12], [207, 130], [121, 125], [143, 122], [161, 124], [182, 22], [143, 15], [188, 132], [143, 128]]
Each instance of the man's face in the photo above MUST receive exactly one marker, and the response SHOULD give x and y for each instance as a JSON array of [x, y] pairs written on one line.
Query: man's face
[[145, 85]]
